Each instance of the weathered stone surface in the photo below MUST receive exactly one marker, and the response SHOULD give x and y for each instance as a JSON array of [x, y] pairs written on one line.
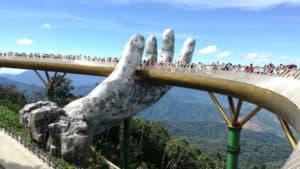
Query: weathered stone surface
[[187, 51], [151, 49], [75, 148], [36, 117], [25, 112], [55, 130], [69, 138], [118, 97], [63, 136], [168, 45]]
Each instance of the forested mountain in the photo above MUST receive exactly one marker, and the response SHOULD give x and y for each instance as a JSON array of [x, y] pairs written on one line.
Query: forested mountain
[[218, 130], [27, 89], [29, 77], [186, 105], [256, 147]]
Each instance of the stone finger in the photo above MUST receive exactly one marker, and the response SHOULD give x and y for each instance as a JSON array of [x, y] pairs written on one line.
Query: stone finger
[[168, 43], [187, 51], [151, 49], [131, 57]]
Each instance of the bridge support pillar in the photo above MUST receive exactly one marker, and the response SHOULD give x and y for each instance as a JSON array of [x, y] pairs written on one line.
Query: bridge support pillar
[[51, 83], [233, 147], [234, 127], [288, 133]]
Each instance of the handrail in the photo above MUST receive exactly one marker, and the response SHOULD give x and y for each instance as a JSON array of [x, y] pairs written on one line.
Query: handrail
[[274, 96], [205, 78], [109, 64]]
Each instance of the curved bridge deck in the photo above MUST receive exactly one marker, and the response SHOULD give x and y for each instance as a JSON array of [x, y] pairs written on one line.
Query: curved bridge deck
[[277, 92], [274, 92]]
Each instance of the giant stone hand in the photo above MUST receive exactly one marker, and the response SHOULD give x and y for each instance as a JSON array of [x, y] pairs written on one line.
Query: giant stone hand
[[118, 97]]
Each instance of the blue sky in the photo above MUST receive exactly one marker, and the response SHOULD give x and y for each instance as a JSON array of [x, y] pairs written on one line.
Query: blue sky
[[249, 31]]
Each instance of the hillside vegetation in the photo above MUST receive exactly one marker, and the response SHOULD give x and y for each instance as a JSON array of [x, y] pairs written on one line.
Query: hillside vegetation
[[263, 148], [188, 121]]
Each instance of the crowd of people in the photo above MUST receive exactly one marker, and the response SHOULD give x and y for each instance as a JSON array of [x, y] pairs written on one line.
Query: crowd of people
[[59, 56], [268, 69]]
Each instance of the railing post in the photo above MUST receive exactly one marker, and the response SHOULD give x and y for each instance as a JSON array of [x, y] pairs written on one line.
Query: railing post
[[233, 147]]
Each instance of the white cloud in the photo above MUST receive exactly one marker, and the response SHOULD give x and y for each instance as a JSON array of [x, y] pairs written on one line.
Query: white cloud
[[289, 59], [24, 41], [158, 52], [217, 3], [259, 57], [269, 58], [11, 71], [224, 54], [208, 50], [46, 26]]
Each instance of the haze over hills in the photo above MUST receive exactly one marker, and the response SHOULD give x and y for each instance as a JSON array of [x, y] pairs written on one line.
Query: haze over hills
[[28, 89], [186, 105], [29, 77]]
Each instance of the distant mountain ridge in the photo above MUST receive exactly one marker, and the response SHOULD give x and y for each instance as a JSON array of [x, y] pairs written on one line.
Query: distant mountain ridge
[[82, 83], [217, 130], [186, 105], [29, 77], [23, 87]]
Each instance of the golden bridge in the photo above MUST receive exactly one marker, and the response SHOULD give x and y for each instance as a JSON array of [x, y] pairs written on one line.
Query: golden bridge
[[276, 92]]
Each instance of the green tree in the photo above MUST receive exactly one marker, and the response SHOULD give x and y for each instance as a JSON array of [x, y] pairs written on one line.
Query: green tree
[[11, 98], [152, 148], [148, 141], [180, 155], [62, 90], [218, 157], [37, 96], [205, 162]]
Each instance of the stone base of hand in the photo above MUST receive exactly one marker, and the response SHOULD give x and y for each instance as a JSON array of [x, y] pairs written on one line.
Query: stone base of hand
[[61, 135]]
